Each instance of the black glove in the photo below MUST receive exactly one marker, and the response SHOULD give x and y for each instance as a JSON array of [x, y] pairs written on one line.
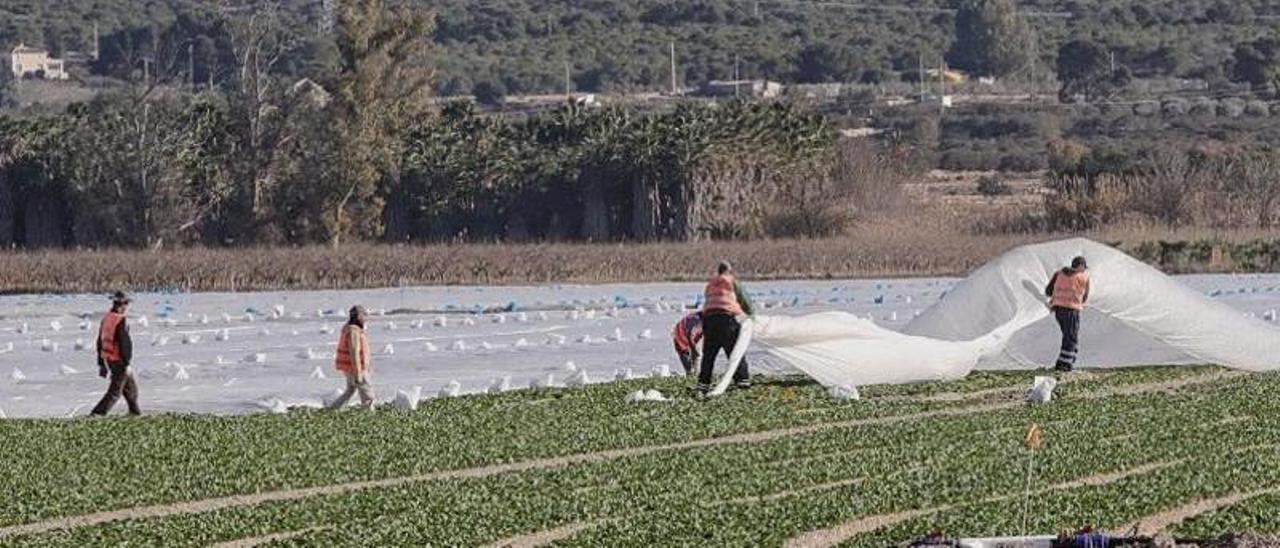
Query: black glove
[[689, 360], [102, 370]]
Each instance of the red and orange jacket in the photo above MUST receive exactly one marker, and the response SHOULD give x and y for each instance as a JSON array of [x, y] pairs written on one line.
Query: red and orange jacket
[[353, 350], [115, 347], [687, 333]]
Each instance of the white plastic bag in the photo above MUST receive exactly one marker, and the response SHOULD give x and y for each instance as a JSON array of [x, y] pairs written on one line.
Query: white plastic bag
[[646, 396], [849, 393], [408, 399], [1041, 390]]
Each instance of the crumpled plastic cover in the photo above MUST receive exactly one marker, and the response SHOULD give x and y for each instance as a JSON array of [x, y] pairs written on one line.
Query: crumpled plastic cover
[[998, 318]]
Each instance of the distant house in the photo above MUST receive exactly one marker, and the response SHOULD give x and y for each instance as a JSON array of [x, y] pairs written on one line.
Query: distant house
[[949, 76], [762, 89], [28, 61]]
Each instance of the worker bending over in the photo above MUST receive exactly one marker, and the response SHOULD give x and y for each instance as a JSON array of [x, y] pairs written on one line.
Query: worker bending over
[[686, 336], [1068, 291]]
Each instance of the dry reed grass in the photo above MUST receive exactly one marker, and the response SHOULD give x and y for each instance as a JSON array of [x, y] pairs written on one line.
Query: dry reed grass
[[921, 244]]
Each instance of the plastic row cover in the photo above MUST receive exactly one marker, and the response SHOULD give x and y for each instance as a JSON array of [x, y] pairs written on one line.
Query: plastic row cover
[[998, 319]]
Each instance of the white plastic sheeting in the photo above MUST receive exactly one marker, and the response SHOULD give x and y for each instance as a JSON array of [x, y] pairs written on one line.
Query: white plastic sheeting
[[998, 318]]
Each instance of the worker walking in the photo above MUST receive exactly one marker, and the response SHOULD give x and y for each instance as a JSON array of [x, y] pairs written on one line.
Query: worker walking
[[1068, 291], [353, 360], [115, 353], [686, 336], [725, 301]]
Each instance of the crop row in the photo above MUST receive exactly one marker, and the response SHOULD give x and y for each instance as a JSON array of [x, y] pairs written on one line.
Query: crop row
[[677, 496], [1115, 505], [164, 459], [60, 470], [1259, 515]]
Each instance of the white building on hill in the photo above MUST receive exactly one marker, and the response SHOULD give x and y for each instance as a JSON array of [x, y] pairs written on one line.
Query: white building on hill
[[28, 61], [761, 89]]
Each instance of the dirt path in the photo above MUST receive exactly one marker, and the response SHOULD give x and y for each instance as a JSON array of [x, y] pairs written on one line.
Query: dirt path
[[1159, 386], [954, 397], [1098, 480], [1156, 523], [997, 393], [543, 538], [848, 530], [266, 539], [824, 538], [235, 501]]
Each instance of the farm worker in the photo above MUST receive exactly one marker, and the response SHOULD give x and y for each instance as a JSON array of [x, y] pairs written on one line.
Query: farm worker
[[115, 352], [1068, 292], [725, 302], [353, 360], [686, 336]]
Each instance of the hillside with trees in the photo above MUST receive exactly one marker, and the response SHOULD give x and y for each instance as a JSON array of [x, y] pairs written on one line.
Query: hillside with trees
[[523, 46], [298, 122]]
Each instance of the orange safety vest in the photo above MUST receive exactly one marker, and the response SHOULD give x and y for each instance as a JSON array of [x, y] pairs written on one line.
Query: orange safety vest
[[344, 363], [720, 296], [1069, 290], [110, 352]]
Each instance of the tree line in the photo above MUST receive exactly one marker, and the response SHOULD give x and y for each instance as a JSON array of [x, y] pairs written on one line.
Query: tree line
[[133, 171], [273, 158], [521, 46], [266, 158]]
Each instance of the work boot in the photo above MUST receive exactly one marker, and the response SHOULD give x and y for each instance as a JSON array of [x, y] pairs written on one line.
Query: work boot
[[742, 385], [1062, 368]]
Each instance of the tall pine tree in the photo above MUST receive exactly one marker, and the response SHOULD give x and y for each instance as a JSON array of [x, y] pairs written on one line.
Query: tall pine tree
[[992, 39]]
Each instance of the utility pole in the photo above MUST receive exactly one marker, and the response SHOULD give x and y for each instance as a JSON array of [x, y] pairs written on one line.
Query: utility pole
[[920, 61], [673, 69], [1112, 55], [191, 65], [737, 78], [942, 86], [97, 42], [568, 83], [1035, 64], [756, 12]]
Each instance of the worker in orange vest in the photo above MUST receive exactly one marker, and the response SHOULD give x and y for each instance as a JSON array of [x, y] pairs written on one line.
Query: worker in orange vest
[[115, 352], [1068, 291], [353, 360], [686, 336], [724, 302]]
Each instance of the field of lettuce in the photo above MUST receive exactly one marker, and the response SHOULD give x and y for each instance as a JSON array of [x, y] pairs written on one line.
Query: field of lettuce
[[1190, 451]]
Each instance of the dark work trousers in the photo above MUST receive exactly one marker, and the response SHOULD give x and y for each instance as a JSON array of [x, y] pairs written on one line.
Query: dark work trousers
[[122, 383], [720, 331], [1069, 321]]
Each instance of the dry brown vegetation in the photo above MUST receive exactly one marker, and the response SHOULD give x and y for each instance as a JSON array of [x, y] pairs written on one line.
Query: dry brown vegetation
[[922, 243], [889, 224]]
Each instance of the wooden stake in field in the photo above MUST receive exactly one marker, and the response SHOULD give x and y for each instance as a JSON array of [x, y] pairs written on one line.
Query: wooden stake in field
[[1035, 439]]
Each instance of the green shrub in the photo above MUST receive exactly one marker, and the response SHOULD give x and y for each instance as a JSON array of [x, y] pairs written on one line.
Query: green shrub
[[991, 187]]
